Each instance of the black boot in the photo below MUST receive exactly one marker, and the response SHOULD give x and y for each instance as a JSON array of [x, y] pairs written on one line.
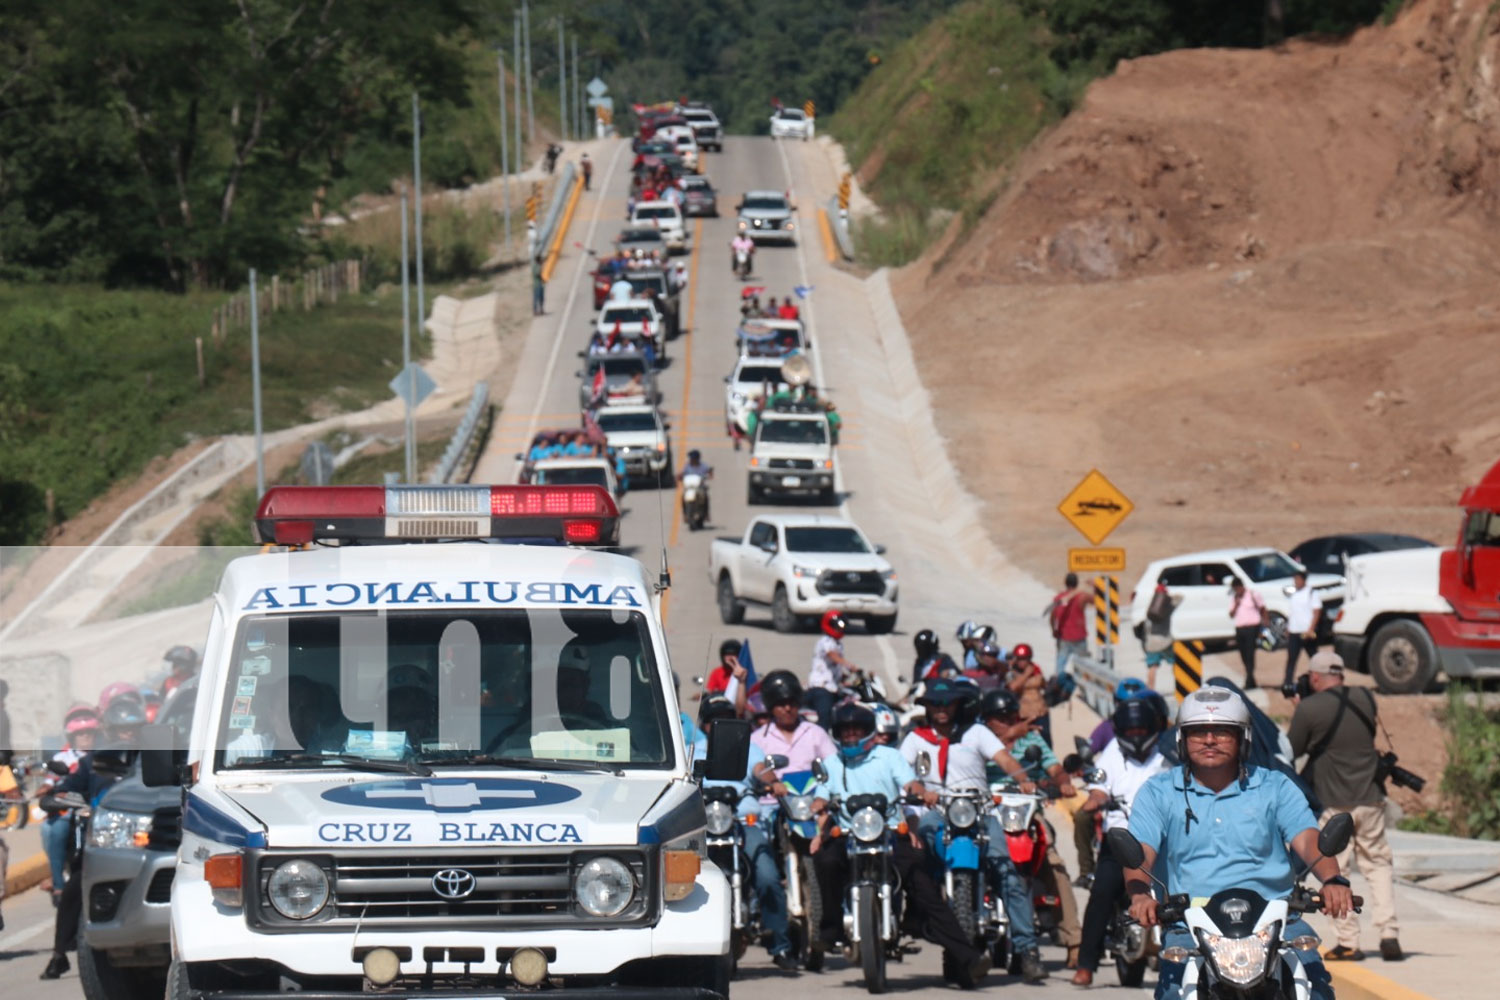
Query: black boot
[[56, 967]]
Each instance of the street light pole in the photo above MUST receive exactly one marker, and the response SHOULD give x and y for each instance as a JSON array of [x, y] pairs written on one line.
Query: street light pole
[[515, 64], [504, 143], [577, 107], [416, 169], [260, 451], [530, 82], [562, 82], [411, 458]]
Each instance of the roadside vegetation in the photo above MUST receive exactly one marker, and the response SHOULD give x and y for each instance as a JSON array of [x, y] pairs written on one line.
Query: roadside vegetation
[[1471, 781], [933, 128]]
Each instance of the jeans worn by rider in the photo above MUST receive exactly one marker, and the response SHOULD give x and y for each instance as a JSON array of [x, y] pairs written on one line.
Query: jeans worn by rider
[[765, 873], [883, 771], [1235, 838]]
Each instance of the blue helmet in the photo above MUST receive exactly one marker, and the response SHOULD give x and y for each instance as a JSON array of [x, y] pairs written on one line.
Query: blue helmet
[[858, 717], [1131, 687]]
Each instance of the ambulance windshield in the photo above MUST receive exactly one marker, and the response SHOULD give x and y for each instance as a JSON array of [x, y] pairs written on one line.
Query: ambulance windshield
[[444, 688]]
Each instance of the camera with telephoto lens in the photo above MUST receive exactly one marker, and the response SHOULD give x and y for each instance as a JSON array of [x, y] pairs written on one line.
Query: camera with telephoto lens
[[1388, 769]]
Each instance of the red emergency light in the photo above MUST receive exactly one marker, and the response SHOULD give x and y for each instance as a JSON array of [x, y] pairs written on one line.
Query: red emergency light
[[567, 514]]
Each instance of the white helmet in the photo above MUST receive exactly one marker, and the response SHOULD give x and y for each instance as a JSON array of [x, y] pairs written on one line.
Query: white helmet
[[886, 723], [1215, 706], [967, 630]]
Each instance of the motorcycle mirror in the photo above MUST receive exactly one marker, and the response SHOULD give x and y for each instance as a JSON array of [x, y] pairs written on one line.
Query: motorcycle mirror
[[1334, 836], [58, 768], [698, 679], [924, 764], [1095, 777], [1081, 744], [1125, 848], [819, 771], [776, 761]]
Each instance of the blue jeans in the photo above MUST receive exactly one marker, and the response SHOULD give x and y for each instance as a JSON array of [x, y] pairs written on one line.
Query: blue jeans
[[1002, 874], [1171, 973], [1065, 653], [55, 846], [821, 700], [765, 876]]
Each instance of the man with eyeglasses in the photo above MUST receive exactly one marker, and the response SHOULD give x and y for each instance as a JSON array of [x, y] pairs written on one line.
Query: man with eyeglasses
[[1224, 823]]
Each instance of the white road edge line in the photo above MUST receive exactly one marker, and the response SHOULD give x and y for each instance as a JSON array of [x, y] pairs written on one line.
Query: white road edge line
[[562, 329], [10, 940], [883, 643]]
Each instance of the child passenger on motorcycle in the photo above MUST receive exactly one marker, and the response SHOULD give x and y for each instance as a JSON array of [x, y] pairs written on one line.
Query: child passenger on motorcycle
[[864, 767]]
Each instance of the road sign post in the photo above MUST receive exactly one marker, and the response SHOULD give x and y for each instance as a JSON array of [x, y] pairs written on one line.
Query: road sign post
[[1096, 507], [808, 109]]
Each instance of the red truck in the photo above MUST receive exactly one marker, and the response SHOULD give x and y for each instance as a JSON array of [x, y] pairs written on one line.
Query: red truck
[[1408, 614]]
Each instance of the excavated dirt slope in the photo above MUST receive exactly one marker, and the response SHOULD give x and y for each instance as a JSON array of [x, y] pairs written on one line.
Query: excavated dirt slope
[[1260, 290]]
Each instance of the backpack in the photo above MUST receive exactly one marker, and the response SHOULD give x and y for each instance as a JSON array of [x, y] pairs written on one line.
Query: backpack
[[1160, 608], [1059, 689]]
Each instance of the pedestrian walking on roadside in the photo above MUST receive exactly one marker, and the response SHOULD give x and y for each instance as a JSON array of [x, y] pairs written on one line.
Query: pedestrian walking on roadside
[[1304, 611], [538, 289], [1157, 637], [5, 758], [1067, 615], [588, 170], [1335, 727], [1248, 612]]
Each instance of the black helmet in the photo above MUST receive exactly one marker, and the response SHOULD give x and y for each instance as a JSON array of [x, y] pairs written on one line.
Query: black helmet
[[714, 708], [1137, 715], [123, 713], [851, 715], [729, 647], [943, 691], [181, 658], [926, 643], [694, 455], [780, 687], [999, 701]]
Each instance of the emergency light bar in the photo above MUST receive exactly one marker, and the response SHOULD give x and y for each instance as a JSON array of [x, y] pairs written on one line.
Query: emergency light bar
[[569, 514]]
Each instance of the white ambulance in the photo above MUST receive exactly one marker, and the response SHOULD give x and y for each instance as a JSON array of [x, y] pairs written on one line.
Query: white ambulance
[[437, 750]]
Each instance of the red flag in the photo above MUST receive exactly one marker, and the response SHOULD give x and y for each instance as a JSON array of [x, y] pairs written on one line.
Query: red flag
[[598, 389]]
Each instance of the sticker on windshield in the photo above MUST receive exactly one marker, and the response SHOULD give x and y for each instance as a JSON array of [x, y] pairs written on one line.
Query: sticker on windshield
[[246, 687], [382, 744], [241, 721], [602, 744]]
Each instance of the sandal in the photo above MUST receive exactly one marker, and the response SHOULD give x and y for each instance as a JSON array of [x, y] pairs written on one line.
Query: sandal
[[1343, 953]]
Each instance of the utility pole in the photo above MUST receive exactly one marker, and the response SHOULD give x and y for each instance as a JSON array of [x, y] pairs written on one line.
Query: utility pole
[[577, 106], [416, 169], [260, 451], [504, 143], [411, 389], [515, 68], [562, 82], [530, 82]]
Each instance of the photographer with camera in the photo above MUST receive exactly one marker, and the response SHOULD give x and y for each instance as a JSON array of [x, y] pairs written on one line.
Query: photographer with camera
[[1335, 726]]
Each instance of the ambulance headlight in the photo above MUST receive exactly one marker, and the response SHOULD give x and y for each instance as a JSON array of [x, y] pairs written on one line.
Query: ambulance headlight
[[297, 889], [604, 887], [867, 825], [720, 818]]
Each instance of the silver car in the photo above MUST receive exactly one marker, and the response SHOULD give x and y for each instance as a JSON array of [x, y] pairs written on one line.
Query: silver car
[[767, 215]]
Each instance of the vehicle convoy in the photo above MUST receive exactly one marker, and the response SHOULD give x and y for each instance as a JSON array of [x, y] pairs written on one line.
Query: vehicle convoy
[[433, 769], [1412, 613], [705, 125], [637, 320], [616, 379], [752, 380], [667, 218], [791, 123], [638, 435], [801, 565], [582, 470], [791, 454], [129, 858], [1202, 580], [771, 338], [643, 242], [766, 215], [699, 197]]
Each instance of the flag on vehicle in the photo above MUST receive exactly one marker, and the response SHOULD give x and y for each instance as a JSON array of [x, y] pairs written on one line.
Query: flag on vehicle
[[803, 291], [597, 392], [748, 290], [752, 683]]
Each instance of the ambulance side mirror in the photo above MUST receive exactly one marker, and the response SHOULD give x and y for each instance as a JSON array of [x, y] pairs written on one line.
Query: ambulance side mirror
[[728, 750], [162, 763]]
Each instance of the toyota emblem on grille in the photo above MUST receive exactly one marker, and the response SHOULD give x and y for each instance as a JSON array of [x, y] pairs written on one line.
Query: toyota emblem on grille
[[851, 577], [454, 883]]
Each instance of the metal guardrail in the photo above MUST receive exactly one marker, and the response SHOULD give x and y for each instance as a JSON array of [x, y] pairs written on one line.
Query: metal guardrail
[[560, 193], [839, 221], [1096, 684], [463, 435]]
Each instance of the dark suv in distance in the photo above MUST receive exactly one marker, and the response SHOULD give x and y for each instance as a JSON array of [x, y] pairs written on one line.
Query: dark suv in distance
[[1327, 553]]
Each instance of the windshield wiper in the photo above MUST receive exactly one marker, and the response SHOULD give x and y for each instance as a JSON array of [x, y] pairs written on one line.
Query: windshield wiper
[[523, 763], [352, 760]]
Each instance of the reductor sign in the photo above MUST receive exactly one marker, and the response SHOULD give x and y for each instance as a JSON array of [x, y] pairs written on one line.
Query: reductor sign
[[1095, 507]]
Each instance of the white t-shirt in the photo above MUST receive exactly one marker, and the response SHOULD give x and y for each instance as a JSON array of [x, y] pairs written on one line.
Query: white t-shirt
[[621, 290], [965, 765], [983, 741], [1300, 612], [1124, 777], [824, 673]]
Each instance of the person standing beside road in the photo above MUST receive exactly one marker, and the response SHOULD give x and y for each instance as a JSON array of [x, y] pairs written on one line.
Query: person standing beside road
[[828, 667], [1248, 612], [588, 170], [1156, 638], [6, 752], [1305, 609], [1067, 615], [1335, 727], [538, 288]]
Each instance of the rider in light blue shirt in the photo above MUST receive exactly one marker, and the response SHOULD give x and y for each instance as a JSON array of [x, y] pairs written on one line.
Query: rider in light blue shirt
[[1220, 824]]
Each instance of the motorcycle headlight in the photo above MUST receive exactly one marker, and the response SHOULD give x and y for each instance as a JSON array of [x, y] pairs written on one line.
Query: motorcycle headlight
[[720, 818], [604, 887], [962, 814], [1241, 961], [867, 825], [112, 828], [297, 889], [799, 807], [1013, 819]]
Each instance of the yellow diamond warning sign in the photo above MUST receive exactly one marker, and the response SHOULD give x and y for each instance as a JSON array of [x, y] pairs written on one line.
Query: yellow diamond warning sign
[[1095, 507]]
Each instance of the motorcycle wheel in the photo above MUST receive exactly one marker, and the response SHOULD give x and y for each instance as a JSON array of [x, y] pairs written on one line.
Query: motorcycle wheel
[[812, 908], [962, 904], [1131, 973], [1001, 954], [871, 947]]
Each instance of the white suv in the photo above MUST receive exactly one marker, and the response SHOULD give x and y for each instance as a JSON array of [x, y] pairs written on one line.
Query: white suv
[[791, 123], [1201, 579], [667, 218], [792, 455]]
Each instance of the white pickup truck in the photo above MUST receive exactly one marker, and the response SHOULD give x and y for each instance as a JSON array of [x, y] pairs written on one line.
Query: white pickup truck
[[802, 565]]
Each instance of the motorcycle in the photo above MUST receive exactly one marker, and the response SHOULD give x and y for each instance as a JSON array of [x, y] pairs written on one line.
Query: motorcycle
[[694, 500], [742, 261], [960, 845], [1028, 838], [18, 781], [1134, 948], [795, 831], [726, 848], [1239, 952]]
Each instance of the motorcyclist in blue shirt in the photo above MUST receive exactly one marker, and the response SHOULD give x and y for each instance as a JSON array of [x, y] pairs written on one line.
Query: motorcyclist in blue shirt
[[865, 767], [765, 873], [1222, 823]]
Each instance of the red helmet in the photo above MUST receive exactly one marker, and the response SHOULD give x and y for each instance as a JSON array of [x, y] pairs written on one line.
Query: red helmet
[[80, 717], [1022, 651], [834, 624]]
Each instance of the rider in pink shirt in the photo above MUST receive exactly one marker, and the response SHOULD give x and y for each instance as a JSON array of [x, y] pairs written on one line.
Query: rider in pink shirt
[[799, 741]]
